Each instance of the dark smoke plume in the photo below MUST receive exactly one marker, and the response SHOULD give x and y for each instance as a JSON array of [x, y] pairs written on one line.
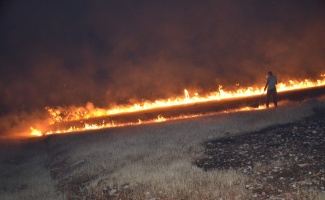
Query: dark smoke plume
[[115, 52]]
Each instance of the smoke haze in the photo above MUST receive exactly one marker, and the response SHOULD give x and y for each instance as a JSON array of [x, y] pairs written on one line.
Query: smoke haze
[[115, 52]]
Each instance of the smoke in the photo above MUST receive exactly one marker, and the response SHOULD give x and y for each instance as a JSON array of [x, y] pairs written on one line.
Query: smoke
[[116, 52], [18, 125]]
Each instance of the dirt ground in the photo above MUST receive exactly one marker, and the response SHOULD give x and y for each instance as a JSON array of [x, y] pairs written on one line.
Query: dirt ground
[[280, 160], [284, 161]]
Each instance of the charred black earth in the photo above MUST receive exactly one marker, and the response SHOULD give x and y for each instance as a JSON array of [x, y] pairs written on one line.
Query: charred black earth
[[279, 160]]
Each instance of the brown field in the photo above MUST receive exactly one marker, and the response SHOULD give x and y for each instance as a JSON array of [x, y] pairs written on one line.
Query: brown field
[[153, 161]]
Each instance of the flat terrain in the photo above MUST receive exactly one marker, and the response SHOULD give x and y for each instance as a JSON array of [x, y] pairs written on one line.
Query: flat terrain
[[259, 154], [279, 160]]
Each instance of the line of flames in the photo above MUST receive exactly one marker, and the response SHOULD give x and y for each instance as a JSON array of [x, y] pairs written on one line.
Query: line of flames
[[63, 114]]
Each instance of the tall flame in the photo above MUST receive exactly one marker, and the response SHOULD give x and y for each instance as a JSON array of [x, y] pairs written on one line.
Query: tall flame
[[66, 114]]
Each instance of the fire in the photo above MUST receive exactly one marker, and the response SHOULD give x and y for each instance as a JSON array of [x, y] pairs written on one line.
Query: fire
[[35, 132], [68, 114], [160, 119]]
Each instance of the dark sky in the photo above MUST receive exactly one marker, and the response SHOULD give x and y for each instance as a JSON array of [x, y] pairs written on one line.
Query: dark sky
[[71, 52]]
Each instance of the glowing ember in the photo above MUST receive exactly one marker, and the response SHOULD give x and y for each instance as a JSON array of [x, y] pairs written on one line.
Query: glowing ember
[[68, 114]]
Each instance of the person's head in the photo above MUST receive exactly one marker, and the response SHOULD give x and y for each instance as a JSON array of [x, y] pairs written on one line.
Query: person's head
[[270, 73]]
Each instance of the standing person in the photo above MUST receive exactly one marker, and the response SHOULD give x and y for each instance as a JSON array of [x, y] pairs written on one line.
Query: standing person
[[271, 82]]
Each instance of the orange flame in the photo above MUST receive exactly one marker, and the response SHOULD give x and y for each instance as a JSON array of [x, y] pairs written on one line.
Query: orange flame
[[35, 132], [64, 114]]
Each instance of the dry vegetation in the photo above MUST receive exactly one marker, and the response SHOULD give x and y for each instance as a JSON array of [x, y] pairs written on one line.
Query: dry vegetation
[[137, 162]]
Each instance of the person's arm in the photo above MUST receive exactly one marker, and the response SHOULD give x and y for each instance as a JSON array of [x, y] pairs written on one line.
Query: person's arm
[[276, 80]]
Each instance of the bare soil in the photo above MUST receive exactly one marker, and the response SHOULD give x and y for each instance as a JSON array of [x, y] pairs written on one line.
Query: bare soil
[[281, 161]]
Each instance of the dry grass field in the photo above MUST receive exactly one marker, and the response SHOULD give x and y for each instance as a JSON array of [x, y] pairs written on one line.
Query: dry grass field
[[153, 161]]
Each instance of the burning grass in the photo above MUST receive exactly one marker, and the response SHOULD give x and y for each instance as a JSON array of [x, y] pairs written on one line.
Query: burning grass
[[136, 162], [75, 119]]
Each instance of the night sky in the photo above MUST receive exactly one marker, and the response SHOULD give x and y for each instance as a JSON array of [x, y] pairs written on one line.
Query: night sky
[[118, 52]]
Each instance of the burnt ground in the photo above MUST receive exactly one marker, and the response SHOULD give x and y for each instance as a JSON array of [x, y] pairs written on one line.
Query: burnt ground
[[280, 161]]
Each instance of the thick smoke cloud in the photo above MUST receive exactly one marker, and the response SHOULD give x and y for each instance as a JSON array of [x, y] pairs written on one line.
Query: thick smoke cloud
[[115, 52]]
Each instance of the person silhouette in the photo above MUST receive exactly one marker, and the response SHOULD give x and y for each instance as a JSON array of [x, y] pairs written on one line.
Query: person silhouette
[[270, 85]]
